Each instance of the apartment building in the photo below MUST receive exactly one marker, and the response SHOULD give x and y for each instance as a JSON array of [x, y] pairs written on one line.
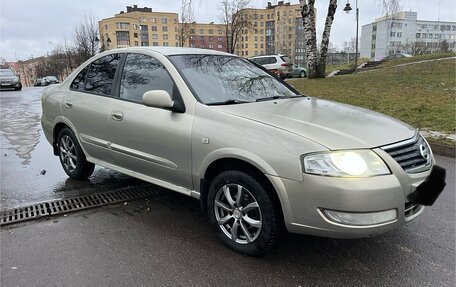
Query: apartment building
[[139, 27], [404, 33], [276, 29], [206, 36]]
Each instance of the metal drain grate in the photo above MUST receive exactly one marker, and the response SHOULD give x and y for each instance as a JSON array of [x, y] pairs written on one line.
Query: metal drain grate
[[61, 206]]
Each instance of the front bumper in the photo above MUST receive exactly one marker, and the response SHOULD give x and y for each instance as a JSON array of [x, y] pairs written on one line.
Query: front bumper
[[304, 202]]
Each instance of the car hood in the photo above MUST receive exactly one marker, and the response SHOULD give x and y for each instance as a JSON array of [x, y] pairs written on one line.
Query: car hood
[[331, 124]]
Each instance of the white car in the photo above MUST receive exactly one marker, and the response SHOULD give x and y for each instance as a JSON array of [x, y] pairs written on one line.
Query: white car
[[280, 64]]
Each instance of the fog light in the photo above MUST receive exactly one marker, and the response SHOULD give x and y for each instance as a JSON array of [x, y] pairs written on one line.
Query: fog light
[[361, 219]]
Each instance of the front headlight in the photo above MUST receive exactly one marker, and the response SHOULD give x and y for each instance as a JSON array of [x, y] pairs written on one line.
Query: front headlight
[[350, 163]]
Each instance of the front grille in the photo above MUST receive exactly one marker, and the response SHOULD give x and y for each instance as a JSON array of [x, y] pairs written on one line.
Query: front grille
[[412, 155]]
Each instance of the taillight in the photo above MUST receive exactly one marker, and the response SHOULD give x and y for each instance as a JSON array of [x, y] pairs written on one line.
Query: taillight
[[284, 65]]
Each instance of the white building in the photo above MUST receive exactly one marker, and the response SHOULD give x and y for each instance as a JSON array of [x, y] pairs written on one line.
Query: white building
[[403, 33]]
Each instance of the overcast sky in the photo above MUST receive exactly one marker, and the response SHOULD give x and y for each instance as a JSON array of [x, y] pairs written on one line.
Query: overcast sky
[[31, 27]]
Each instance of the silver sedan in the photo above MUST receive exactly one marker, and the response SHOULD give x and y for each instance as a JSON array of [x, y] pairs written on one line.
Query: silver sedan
[[258, 155]]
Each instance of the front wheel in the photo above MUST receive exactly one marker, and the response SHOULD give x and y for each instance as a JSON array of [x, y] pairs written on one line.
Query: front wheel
[[72, 157], [302, 74], [242, 213]]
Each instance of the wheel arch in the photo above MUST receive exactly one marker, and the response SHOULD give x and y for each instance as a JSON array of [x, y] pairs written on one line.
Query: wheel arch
[[232, 163]]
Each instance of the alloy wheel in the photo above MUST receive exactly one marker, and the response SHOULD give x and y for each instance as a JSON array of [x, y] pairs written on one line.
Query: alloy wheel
[[238, 213], [68, 153]]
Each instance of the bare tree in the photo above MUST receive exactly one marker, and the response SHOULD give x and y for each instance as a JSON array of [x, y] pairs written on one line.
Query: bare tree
[[350, 46], [186, 20], [85, 39], [236, 21], [316, 62]]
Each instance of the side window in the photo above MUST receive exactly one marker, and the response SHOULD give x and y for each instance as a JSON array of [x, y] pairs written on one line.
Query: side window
[[272, 60], [142, 73], [78, 82], [101, 75]]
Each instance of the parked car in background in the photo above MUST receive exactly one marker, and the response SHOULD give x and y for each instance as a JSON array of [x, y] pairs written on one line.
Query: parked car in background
[[299, 71], [397, 56], [278, 64], [256, 153], [48, 80], [38, 82], [9, 80]]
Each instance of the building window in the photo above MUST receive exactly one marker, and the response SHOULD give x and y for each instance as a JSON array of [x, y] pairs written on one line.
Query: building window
[[154, 43], [192, 31], [393, 34], [211, 46], [135, 35], [399, 34], [211, 31], [202, 38], [165, 36], [175, 20], [164, 20], [374, 28], [418, 35], [201, 31], [122, 25], [219, 32], [211, 38], [220, 46], [136, 43], [165, 29], [106, 27], [123, 39], [166, 44], [154, 28], [219, 38], [153, 20], [154, 36]]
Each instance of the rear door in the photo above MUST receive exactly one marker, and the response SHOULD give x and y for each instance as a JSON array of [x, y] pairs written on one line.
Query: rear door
[[87, 105]]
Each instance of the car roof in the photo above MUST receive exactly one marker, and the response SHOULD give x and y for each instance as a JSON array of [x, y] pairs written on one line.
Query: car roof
[[266, 56], [169, 51]]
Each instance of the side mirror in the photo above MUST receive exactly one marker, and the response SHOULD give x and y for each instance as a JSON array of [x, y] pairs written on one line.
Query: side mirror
[[157, 99]]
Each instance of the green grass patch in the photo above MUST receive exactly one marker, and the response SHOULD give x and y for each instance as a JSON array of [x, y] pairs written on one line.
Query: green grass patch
[[423, 95]]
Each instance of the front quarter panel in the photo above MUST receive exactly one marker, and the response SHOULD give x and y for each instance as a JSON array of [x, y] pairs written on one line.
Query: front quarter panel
[[217, 134]]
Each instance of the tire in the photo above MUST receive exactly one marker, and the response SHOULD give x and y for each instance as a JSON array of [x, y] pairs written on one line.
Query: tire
[[302, 74], [251, 232], [72, 157]]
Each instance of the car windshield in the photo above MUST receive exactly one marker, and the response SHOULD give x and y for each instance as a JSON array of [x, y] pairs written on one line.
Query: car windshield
[[51, 78], [6, 73], [228, 79]]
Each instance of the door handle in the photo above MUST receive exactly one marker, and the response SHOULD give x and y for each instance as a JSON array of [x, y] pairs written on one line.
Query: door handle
[[117, 115], [68, 105]]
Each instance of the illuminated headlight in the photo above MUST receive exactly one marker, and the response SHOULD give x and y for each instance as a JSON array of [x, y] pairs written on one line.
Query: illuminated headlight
[[361, 219], [355, 163]]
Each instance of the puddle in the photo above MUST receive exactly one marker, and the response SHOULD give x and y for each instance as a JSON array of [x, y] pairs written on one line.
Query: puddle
[[29, 170]]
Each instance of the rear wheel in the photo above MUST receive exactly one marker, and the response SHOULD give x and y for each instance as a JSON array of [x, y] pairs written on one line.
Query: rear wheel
[[302, 74], [72, 157], [242, 213]]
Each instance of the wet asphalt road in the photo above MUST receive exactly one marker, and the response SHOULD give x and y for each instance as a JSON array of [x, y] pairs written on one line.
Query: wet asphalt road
[[29, 170], [165, 241]]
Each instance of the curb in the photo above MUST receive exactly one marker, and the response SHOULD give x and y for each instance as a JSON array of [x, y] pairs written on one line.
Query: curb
[[443, 150]]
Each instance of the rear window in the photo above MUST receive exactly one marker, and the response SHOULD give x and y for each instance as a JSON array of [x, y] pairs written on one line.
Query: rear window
[[285, 59], [272, 60]]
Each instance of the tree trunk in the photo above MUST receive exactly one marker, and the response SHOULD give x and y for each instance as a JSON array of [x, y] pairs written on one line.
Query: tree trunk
[[310, 36], [325, 38]]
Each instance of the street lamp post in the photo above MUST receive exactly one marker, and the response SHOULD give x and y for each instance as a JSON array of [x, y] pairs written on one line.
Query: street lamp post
[[347, 10]]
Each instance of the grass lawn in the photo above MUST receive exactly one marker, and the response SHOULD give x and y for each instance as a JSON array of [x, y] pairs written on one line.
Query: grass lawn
[[423, 95]]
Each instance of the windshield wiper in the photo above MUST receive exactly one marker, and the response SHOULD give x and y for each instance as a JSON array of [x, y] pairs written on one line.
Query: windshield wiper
[[228, 102], [278, 97]]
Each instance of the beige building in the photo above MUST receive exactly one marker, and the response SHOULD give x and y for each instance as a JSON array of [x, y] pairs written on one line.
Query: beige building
[[276, 29], [139, 27]]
